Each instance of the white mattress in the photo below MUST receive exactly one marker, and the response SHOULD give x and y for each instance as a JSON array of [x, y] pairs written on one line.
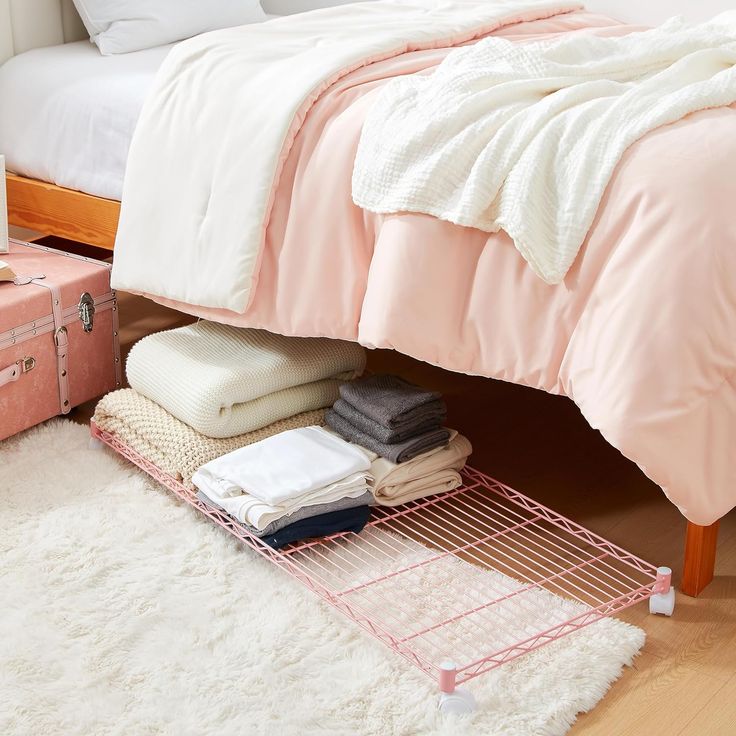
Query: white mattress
[[67, 113]]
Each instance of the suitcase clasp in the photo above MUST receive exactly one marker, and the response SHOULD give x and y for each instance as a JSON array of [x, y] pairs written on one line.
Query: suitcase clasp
[[86, 309], [26, 364]]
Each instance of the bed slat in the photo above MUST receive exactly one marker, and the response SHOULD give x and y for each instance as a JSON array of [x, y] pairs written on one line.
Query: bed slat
[[53, 210]]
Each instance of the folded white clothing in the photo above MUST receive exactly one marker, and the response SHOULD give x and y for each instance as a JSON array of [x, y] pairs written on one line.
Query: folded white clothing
[[250, 510], [219, 489], [286, 468], [225, 381]]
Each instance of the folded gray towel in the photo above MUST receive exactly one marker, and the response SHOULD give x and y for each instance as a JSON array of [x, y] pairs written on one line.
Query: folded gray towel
[[433, 420], [305, 512], [396, 453], [392, 402]]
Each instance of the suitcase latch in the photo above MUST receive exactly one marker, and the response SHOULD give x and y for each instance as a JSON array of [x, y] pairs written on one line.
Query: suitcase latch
[[27, 364], [86, 308]]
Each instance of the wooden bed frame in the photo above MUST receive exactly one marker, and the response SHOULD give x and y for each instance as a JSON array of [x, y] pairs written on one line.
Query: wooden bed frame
[[53, 210]]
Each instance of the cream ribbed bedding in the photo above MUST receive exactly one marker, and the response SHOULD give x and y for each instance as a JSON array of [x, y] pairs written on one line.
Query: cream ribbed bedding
[[224, 381], [171, 445]]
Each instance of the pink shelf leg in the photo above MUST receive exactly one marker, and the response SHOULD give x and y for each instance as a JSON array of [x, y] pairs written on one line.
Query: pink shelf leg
[[664, 580], [448, 674]]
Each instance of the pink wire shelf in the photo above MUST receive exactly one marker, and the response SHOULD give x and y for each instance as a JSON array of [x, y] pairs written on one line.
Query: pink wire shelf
[[479, 575]]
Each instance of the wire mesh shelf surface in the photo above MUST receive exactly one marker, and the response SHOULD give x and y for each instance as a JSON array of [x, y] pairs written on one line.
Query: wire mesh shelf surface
[[479, 575]]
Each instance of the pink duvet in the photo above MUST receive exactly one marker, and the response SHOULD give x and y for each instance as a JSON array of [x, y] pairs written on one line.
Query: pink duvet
[[641, 334]]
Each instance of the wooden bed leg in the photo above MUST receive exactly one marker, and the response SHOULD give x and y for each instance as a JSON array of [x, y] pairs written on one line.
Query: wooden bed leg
[[700, 558]]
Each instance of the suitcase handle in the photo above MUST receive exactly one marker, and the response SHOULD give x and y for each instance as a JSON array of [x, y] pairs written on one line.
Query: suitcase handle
[[14, 372]]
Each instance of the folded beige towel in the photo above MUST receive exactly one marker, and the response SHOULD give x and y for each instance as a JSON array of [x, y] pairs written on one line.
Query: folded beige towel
[[171, 445], [225, 381], [433, 472]]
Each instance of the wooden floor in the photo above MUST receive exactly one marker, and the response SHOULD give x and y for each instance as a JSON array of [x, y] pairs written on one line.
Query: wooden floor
[[684, 682]]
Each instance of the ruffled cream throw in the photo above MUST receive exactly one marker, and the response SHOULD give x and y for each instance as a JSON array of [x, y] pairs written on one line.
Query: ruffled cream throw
[[171, 445], [225, 381], [526, 137]]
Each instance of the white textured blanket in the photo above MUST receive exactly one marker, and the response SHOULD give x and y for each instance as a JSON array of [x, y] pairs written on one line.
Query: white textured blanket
[[217, 126], [525, 138], [225, 381]]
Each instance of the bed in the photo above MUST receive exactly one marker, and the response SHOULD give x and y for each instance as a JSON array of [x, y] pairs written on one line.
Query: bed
[[378, 281], [68, 130], [73, 114]]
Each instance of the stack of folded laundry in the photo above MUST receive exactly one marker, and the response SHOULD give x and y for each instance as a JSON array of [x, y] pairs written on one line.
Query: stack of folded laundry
[[236, 415], [390, 416], [302, 483], [399, 426], [202, 391]]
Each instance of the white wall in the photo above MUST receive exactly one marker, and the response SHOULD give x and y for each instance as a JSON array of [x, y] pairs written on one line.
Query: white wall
[[648, 12], [283, 7], [652, 12]]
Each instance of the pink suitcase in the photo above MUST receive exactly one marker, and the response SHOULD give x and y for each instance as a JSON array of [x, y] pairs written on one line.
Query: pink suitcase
[[58, 335]]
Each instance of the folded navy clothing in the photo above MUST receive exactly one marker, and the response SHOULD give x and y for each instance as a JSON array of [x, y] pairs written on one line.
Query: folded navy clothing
[[433, 419], [320, 509], [392, 402], [334, 522], [398, 452]]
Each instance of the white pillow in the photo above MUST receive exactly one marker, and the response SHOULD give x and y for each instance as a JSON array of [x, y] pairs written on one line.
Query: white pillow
[[119, 26]]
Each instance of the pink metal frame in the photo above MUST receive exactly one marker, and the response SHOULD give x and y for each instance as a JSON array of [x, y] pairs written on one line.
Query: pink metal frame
[[483, 525]]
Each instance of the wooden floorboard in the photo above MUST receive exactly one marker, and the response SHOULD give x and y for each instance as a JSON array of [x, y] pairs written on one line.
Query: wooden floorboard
[[654, 697], [717, 716], [683, 682]]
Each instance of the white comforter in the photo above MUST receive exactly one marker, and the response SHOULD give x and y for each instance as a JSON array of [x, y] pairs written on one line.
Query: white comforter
[[525, 138], [219, 122]]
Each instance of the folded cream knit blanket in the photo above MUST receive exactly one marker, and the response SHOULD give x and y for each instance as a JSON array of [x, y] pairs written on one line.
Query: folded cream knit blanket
[[433, 472], [171, 445], [225, 381]]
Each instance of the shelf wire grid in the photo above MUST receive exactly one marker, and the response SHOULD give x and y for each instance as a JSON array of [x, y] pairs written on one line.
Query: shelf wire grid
[[479, 575]]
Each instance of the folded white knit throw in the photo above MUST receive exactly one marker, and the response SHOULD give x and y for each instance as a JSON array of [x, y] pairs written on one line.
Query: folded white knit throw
[[526, 137], [224, 381]]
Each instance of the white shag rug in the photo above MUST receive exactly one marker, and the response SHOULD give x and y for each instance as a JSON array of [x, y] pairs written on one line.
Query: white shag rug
[[126, 612]]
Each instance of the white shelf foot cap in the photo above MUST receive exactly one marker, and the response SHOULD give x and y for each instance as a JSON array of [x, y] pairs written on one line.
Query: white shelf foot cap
[[459, 702], [663, 603], [663, 599]]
